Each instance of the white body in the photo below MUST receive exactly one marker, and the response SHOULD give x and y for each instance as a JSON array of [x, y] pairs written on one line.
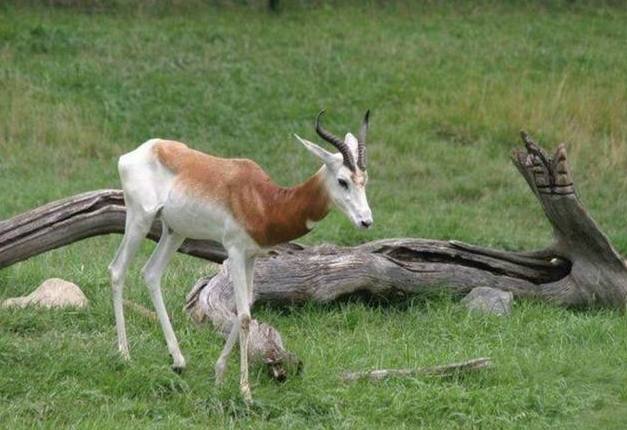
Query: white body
[[153, 189], [148, 192], [148, 188]]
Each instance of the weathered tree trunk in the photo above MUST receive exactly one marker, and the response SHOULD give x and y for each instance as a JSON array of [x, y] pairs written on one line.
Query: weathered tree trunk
[[580, 268]]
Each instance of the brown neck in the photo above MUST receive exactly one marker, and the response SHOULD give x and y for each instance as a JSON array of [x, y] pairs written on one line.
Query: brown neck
[[312, 198], [292, 208]]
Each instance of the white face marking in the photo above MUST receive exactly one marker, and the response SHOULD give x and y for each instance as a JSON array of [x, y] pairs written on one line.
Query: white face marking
[[347, 189], [310, 224], [348, 192]]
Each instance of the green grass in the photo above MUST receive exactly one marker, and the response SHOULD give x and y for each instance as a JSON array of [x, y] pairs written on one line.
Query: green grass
[[449, 87]]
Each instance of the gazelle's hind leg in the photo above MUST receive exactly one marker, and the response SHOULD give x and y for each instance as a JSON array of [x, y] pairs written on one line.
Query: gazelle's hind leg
[[139, 173], [137, 226], [153, 272]]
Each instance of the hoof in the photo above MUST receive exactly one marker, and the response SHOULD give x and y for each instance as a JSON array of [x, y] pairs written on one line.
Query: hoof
[[178, 369], [219, 372], [246, 395], [178, 363], [124, 355]]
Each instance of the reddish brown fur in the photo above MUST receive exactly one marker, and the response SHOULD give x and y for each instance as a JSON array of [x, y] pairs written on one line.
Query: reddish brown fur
[[270, 214]]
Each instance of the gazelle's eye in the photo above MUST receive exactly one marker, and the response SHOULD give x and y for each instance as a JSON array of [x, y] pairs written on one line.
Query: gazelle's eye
[[343, 183]]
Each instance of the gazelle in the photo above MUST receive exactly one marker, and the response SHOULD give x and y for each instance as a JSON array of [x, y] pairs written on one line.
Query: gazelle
[[232, 201]]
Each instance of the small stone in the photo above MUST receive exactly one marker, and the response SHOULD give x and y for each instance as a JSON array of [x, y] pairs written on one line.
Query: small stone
[[52, 293], [489, 300]]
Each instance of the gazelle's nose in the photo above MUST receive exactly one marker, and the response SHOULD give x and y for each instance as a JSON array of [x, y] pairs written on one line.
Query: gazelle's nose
[[366, 223]]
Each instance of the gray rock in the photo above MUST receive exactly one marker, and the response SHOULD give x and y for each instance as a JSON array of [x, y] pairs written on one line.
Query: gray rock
[[489, 300], [52, 293]]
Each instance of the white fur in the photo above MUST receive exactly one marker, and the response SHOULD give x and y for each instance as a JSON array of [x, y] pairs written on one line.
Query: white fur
[[352, 201], [149, 191]]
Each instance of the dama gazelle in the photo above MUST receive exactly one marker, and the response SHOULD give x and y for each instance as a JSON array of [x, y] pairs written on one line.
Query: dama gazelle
[[232, 201]]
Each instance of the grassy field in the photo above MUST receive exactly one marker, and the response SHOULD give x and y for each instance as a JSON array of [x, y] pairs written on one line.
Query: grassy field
[[449, 88]]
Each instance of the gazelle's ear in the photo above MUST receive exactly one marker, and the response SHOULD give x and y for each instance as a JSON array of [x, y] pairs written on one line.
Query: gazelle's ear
[[328, 158]]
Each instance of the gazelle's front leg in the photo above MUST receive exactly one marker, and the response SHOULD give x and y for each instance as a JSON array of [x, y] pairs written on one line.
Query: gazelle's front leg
[[239, 261], [220, 366], [250, 270]]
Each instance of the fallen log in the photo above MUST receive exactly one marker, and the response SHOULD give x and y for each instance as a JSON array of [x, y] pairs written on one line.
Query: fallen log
[[579, 269]]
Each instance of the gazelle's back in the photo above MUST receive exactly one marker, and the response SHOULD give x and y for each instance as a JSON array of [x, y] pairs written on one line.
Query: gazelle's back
[[206, 176], [199, 195]]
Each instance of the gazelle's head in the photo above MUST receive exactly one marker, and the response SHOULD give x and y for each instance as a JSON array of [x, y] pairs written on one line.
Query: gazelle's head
[[345, 175]]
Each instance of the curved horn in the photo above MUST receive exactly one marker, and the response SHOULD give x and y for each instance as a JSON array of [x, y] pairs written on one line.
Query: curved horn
[[335, 141], [361, 142]]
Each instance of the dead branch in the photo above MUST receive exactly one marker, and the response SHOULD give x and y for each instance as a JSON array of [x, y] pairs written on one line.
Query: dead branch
[[443, 370]]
